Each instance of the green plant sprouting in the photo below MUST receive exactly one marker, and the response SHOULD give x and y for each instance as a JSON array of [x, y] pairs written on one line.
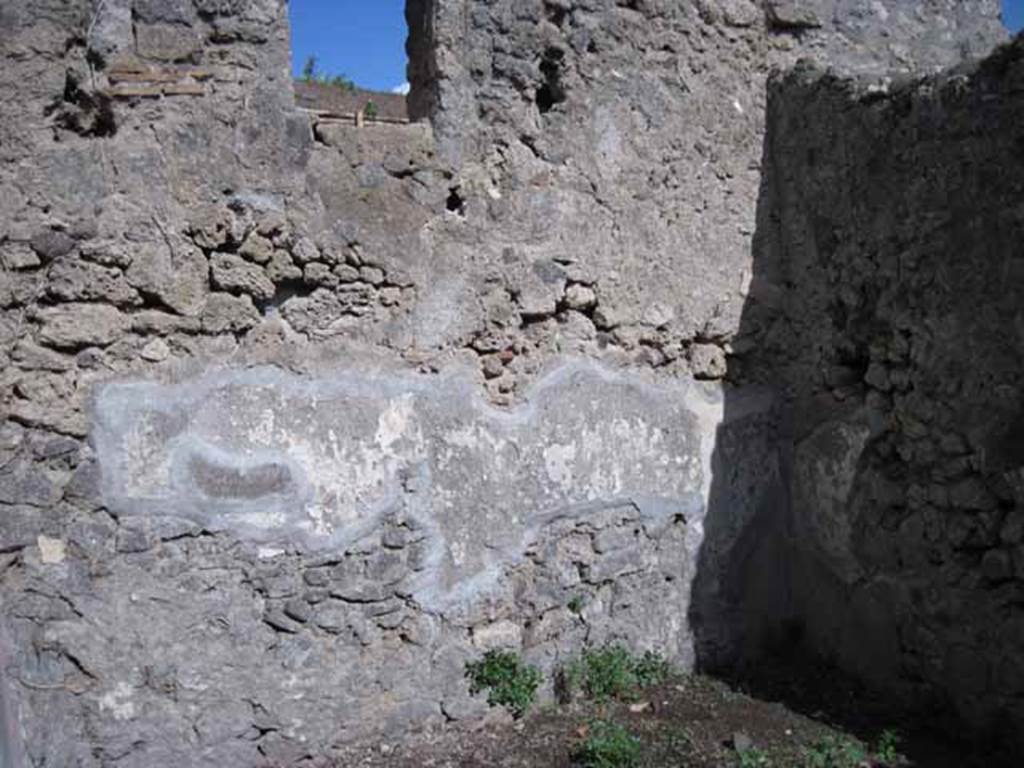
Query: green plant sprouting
[[607, 745], [508, 680], [887, 748], [754, 757], [835, 752], [612, 672]]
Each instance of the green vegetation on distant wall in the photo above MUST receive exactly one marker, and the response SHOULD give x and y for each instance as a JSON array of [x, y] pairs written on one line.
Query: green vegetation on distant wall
[[311, 74]]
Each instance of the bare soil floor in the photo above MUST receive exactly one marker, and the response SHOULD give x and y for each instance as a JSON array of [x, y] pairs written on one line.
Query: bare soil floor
[[694, 722]]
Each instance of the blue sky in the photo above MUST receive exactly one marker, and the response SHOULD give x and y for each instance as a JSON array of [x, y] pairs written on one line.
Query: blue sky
[[365, 39], [1013, 14]]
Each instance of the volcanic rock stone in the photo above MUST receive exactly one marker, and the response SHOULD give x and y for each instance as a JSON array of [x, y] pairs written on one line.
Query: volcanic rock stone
[[83, 281], [18, 256], [232, 273], [316, 409], [72, 326], [178, 279]]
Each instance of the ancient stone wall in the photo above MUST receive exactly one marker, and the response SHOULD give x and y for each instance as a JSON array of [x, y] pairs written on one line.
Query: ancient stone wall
[[298, 418], [890, 312], [622, 141]]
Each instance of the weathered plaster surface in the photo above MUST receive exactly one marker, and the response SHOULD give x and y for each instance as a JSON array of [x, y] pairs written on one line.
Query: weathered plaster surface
[[363, 531], [248, 565], [318, 463]]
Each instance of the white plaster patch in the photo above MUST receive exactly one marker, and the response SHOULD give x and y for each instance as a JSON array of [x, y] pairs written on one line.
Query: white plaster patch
[[262, 432], [500, 634], [558, 460], [457, 551], [118, 702], [51, 551], [144, 454], [463, 437], [263, 520], [287, 461], [394, 422]]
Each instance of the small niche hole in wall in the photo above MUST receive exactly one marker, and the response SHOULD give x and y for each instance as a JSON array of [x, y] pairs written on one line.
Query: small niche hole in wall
[[552, 91], [455, 202]]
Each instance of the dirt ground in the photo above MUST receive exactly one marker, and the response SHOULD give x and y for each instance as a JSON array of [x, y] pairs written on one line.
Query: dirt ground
[[689, 722]]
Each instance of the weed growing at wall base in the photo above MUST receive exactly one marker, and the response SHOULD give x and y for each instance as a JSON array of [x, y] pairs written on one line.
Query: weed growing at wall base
[[612, 672], [887, 749], [607, 745], [835, 752], [754, 758], [508, 680]]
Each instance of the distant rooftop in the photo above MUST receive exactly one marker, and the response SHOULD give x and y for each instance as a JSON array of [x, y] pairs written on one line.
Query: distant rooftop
[[324, 97]]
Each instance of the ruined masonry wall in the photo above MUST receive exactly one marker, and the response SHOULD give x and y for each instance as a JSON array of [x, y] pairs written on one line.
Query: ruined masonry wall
[[895, 220], [296, 419]]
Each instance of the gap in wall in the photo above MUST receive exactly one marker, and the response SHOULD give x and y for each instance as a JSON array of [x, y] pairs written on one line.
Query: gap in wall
[[350, 56]]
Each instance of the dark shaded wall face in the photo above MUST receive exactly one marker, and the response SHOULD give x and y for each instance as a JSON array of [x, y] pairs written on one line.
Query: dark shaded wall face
[[888, 304], [587, 185], [422, 68]]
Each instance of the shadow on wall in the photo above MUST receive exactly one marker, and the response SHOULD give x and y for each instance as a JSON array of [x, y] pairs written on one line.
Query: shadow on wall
[[422, 69], [10, 740], [887, 310], [741, 601]]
